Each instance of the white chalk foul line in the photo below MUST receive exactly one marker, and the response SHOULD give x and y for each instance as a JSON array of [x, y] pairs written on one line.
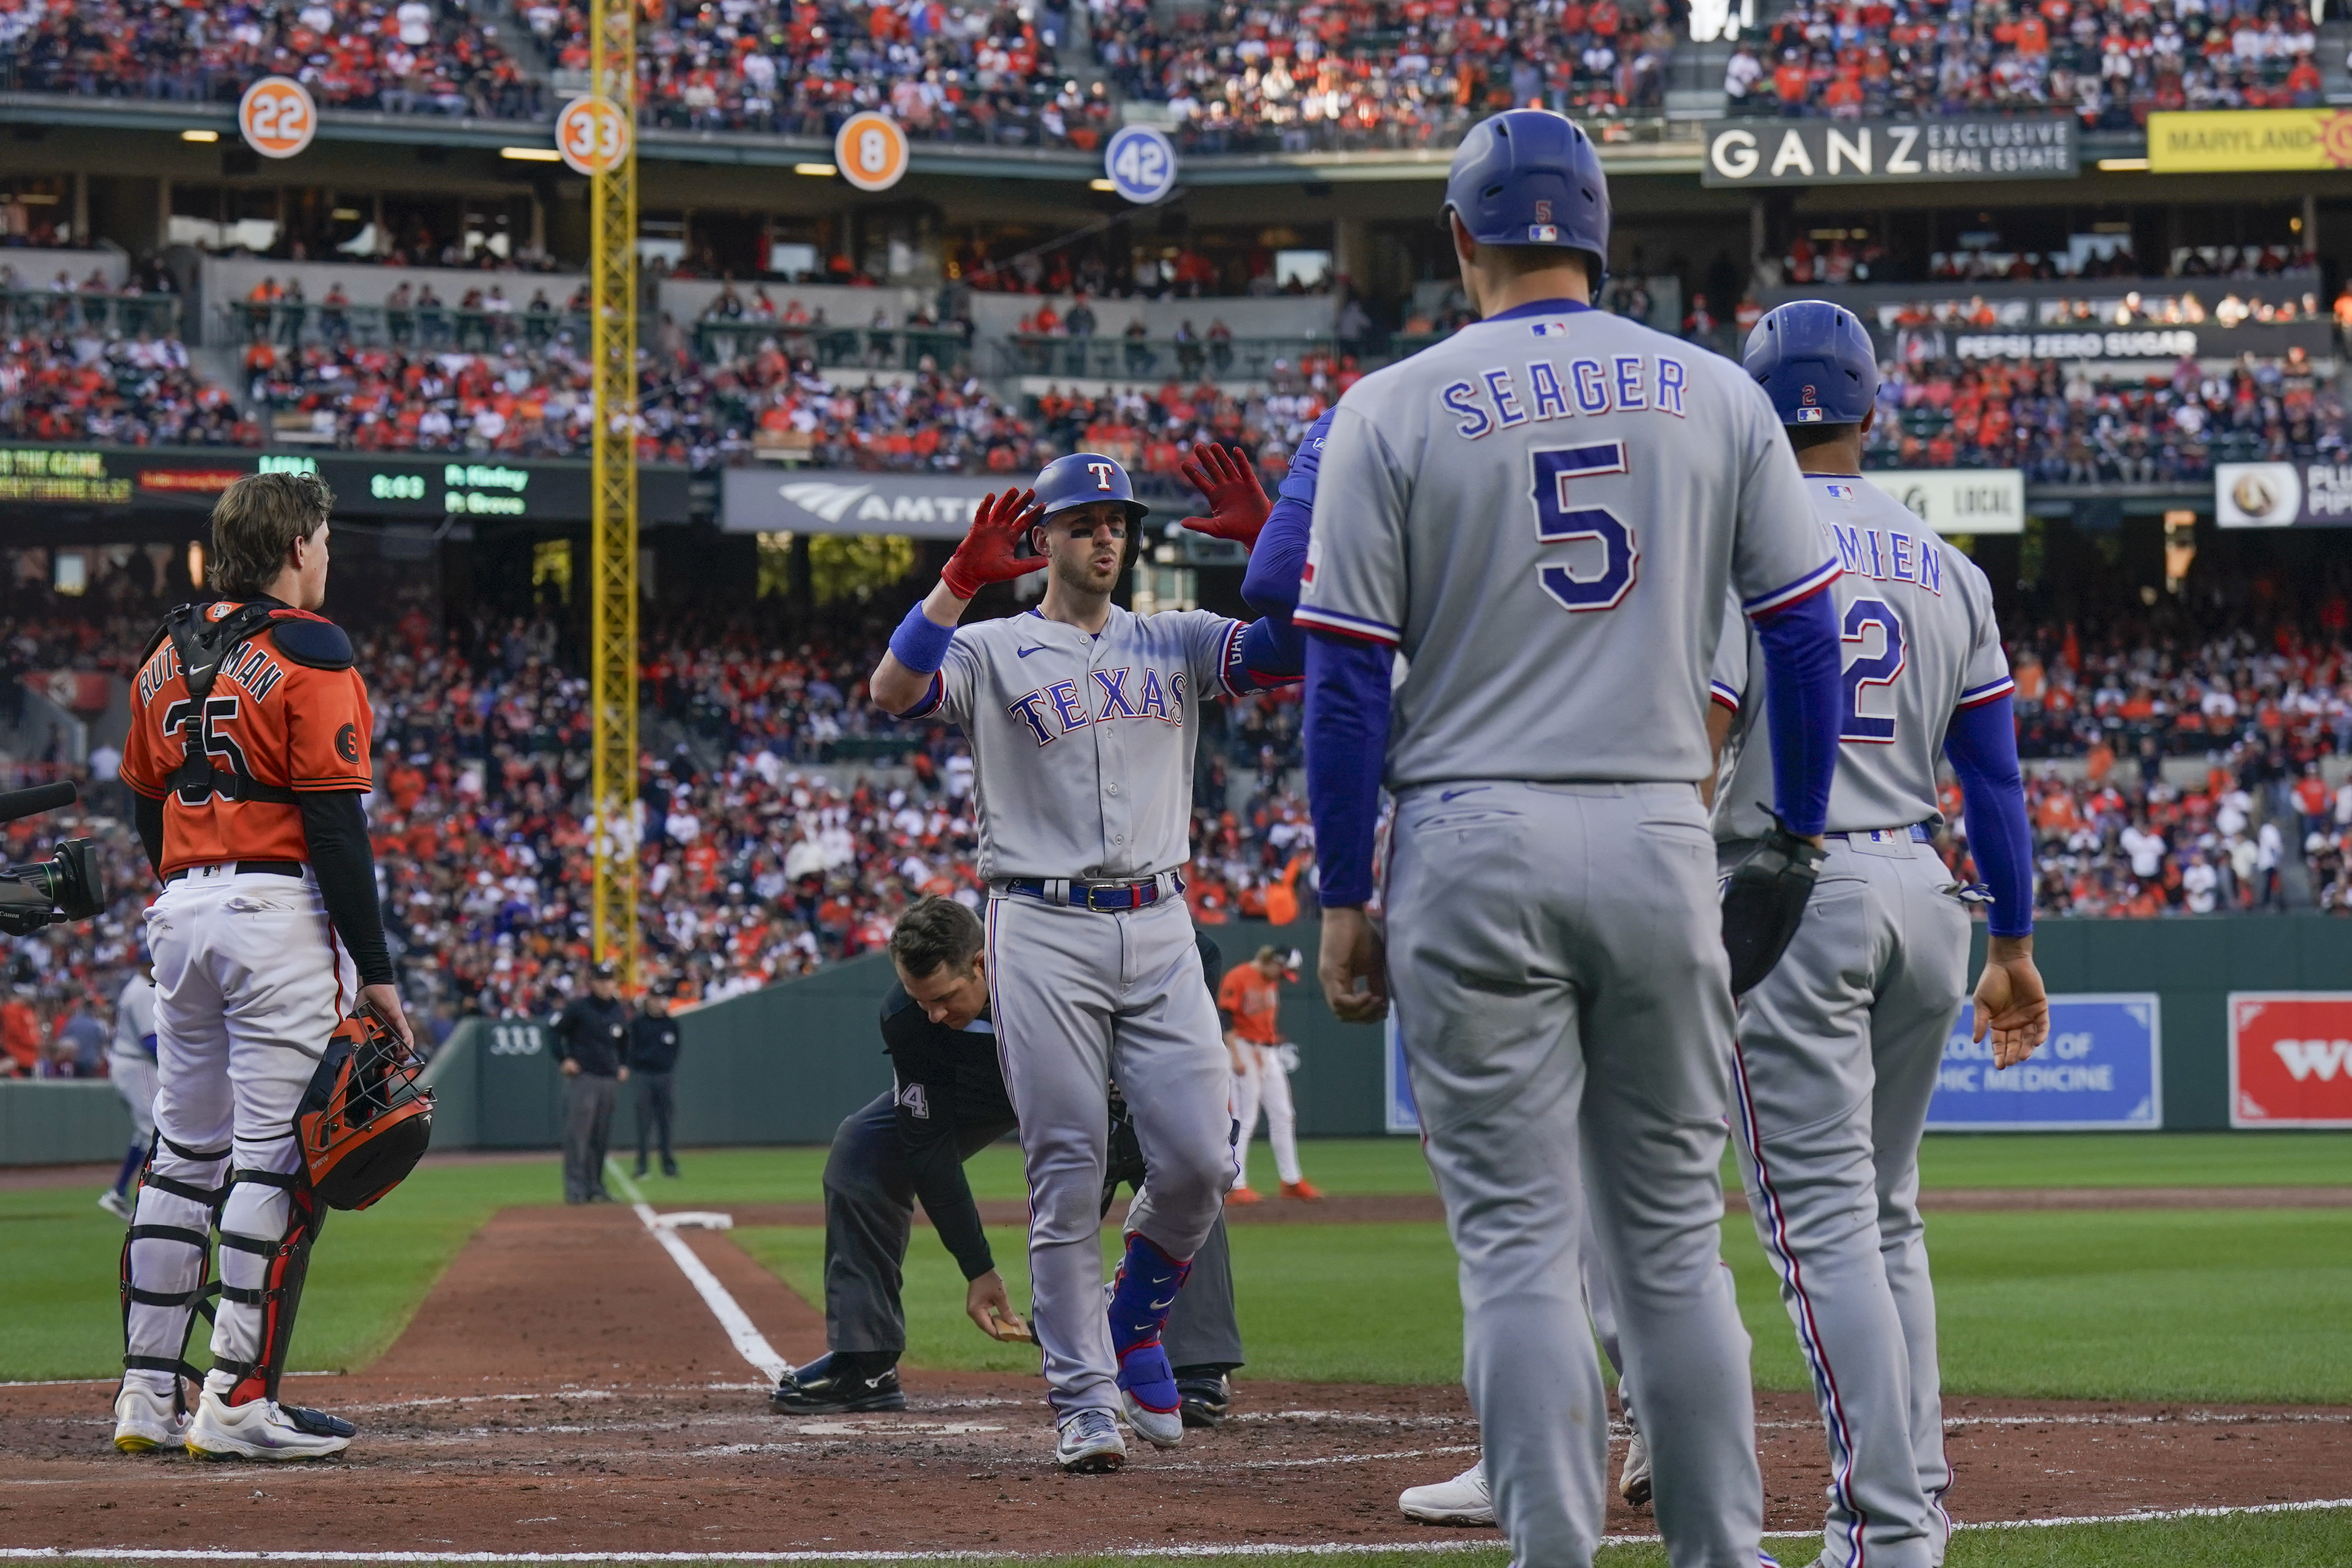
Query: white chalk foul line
[[1241, 1549], [749, 1342]]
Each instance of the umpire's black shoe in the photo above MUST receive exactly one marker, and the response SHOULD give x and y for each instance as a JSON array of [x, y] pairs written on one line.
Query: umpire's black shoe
[[1202, 1395], [842, 1384]]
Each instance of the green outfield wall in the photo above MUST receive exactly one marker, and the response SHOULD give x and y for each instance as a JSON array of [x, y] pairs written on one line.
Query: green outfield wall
[[784, 1065]]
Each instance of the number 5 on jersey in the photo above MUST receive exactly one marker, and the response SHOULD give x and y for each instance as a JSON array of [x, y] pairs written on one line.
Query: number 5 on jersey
[[1587, 585]]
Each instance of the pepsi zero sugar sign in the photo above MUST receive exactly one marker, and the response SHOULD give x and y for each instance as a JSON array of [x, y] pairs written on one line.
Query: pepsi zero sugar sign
[[2291, 1059], [2101, 1067]]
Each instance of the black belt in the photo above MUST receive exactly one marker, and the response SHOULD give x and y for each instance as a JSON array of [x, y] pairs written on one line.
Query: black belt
[[1103, 897], [245, 868]]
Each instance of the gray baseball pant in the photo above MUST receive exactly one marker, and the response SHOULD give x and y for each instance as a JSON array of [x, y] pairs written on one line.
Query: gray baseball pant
[[1080, 997], [1557, 970], [870, 1212], [1839, 1050]]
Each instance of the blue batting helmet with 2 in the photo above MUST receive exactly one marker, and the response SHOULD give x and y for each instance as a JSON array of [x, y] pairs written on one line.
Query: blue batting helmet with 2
[[1528, 177], [1815, 361], [1084, 477]]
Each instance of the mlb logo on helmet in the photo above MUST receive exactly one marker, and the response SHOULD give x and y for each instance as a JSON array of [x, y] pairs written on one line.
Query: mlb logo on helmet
[[1543, 231], [1808, 416]]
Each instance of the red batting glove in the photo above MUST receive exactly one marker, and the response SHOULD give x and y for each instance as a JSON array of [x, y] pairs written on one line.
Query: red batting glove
[[1237, 502], [986, 554]]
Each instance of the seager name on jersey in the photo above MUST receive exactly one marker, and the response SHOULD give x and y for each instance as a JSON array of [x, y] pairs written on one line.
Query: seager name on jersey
[[1053, 710], [1565, 389], [1889, 555]]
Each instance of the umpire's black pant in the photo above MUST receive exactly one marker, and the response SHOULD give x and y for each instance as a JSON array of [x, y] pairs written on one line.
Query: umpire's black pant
[[654, 1108], [870, 1212], [587, 1131]]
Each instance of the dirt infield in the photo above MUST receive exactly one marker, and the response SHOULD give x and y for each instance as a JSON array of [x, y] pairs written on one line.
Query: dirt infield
[[564, 1388]]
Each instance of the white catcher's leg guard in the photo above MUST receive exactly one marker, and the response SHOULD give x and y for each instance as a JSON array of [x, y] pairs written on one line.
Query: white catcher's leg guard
[[164, 1254]]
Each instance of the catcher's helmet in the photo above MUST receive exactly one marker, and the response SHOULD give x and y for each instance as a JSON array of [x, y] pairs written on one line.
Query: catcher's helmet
[[364, 1123], [1528, 177], [1815, 360], [1083, 478]]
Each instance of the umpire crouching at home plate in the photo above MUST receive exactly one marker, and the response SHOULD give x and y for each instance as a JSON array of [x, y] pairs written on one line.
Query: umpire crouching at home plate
[[591, 1034], [948, 1101]]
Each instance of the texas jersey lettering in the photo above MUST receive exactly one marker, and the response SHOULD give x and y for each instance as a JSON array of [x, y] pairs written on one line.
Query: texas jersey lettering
[[1083, 745], [270, 717]]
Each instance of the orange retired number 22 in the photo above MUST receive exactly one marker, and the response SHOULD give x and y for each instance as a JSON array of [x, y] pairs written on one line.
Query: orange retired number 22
[[278, 117]]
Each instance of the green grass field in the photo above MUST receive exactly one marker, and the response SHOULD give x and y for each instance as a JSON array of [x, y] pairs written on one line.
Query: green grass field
[[2215, 1305]]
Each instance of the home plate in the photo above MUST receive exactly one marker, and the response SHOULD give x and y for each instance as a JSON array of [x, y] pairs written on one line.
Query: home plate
[[892, 1429]]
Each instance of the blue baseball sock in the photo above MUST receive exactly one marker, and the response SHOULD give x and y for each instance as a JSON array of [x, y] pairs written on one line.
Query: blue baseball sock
[[131, 1163], [1148, 1281]]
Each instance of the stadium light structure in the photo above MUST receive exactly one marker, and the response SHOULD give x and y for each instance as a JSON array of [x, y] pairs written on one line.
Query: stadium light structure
[[612, 461]]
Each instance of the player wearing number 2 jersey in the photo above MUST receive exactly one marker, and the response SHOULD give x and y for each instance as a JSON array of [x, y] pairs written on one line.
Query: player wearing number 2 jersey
[[1840, 1044], [1543, 513]]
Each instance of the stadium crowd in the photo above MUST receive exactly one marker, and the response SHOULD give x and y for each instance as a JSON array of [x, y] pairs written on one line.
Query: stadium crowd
[[2067, 424], [2109, 62], [400, 56]]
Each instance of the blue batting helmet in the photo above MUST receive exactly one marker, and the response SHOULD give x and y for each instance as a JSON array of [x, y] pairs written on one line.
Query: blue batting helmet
[[1815, 361], [1084, 477], [1528, 177]]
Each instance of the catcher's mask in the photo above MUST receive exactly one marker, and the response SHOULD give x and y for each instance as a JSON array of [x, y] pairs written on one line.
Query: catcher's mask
[[364, 1123]]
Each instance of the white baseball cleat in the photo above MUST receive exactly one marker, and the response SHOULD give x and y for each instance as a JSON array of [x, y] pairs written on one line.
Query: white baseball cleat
[[115, 1204], [145, 1420], [1634, 1482], [1465, 1500], [265, 1429], [1161, 1429], [1089, 1442]]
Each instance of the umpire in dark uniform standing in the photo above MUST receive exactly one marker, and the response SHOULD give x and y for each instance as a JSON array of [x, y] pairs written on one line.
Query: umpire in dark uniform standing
[[947, 1103], [591, 1033], [653, 1057]]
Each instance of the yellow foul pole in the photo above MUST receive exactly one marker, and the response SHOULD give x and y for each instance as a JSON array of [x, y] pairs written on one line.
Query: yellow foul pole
[[613, 336]]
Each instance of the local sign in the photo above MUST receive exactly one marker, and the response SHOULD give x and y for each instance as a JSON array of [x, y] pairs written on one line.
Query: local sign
[[2291, 1059], [1887, 151]]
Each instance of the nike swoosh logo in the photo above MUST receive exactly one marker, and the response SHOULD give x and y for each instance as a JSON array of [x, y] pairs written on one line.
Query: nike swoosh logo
[[1161, 1306], [1025, 652], [1457, 794]]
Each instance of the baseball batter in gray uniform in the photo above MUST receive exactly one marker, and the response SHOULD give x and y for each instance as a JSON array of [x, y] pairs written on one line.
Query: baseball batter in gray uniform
[[1083, 719], [1543, 514], [1840, 1044]]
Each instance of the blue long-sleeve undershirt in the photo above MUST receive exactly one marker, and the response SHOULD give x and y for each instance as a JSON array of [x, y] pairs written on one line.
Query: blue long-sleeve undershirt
[[1982, 744], [1270, 586], [1804, 706], [1347, 736]]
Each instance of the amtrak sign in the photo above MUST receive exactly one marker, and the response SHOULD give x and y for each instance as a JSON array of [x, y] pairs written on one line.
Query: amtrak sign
[[1888, 152], [835, 501]]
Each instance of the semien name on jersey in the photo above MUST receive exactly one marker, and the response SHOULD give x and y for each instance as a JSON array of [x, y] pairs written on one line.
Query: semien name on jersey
[[1888, 554]]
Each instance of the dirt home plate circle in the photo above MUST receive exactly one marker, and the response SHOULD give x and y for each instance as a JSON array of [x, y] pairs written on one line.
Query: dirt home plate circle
[[871, 152], [593, 134], [277, 117]]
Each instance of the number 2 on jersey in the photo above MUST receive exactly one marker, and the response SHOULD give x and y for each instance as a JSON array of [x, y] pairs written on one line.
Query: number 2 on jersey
[[1558, 522], [1877, 669]]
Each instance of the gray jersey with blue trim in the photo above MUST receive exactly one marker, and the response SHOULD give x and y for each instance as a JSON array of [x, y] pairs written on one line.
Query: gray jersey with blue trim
[[1082, 744], [1543, 513], [1920, 643]]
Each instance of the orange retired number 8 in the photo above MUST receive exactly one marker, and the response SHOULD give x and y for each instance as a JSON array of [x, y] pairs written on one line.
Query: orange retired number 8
[[278, 117], [871, 151], [592, 134]]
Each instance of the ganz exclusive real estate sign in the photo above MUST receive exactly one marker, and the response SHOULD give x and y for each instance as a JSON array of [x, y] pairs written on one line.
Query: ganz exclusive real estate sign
[[1885, 151]]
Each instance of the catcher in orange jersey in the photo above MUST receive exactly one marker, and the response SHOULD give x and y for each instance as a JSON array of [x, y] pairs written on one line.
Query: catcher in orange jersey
[[246, 758], [1250, 1005]]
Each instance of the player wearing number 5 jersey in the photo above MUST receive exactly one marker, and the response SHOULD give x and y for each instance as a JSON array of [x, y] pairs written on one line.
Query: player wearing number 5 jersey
[[247, 755], [1840, 1043], [1083, 719], [1543, 514]]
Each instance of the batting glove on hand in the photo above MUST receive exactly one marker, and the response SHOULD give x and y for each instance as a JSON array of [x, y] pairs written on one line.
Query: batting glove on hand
[[986, 554], [1237, 502]]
